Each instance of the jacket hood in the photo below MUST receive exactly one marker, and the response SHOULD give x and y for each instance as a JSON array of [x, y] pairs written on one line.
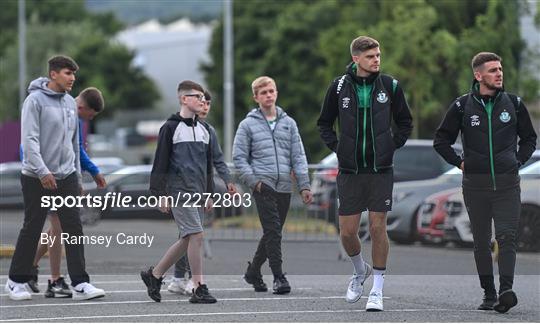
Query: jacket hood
[[351, 71], [188, 121], [40, 84], [475, 90], [256, 113]]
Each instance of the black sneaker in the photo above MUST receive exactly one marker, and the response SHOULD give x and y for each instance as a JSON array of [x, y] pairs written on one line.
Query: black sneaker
[[152, 283], [201, 295], [58, 289], [33, 282], [488, 302], [255, 279], [281, 285], [507, 300]]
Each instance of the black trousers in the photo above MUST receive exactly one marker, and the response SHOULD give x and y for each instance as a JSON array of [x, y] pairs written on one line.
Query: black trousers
[[272, 207], [504, 208], [34, 218]]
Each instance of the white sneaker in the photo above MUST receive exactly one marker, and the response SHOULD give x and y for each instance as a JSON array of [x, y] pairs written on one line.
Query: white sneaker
[[85, 291], [375, 302], [17, 291], [356, 285], [181, 286], [176, 286], [188, 290]]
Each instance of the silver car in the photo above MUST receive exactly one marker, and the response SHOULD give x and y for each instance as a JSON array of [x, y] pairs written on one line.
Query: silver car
[[410, 195], [457, 226]]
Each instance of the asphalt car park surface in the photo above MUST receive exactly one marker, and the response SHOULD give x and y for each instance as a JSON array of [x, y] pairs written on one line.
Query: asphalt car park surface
[[423, 284]]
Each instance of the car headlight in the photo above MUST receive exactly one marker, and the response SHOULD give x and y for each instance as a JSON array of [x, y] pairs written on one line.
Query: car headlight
[[453, 208]]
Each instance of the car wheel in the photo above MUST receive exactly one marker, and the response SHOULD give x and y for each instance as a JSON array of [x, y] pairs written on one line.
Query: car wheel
[[413, 231], [529, 229]]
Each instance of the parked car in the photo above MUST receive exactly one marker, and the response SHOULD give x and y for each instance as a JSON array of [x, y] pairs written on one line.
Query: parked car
[[106, 165], [433, 214], [134, 181], [456, 224], [10, 179], [10, 185], [417, 160]]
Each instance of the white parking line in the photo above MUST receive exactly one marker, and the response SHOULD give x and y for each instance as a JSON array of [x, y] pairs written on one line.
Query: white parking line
[[237, 313], [103, 303], [144, 290]]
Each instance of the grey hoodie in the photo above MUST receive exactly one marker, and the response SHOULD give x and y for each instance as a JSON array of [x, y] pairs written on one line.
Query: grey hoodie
[[261, 154], [49, 132]]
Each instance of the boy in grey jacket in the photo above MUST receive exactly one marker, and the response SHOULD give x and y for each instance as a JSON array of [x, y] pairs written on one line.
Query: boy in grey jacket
[[51, 167], [267, 148]]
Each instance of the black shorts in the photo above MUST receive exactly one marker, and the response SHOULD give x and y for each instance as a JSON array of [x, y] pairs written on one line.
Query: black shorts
[[358, 192]]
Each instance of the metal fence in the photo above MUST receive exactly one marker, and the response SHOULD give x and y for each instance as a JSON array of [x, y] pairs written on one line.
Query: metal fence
[[317, 222], [303, 222]]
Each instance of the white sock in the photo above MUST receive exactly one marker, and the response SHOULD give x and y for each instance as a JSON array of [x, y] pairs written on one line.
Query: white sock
[[378, 280], [358, 263]]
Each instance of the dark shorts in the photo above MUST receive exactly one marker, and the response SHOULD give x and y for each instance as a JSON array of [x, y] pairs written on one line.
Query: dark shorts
[[367, 191]]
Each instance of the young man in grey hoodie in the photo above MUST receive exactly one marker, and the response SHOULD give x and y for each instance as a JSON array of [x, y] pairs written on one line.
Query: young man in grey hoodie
[[51, 167], [267, 148]]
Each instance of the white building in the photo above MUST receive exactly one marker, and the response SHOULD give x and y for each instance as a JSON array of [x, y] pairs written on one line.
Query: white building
[[169, 54]]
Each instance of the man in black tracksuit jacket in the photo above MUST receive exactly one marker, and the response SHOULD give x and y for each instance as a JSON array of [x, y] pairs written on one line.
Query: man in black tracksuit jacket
[[490, 121], [365, 101]]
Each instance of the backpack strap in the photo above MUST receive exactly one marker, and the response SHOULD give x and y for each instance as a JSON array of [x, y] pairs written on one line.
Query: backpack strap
[[389, 83], [516, 100], [460, 105]]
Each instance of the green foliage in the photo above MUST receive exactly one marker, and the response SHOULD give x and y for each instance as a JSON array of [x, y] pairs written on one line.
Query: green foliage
[[252, 30], [51, 12], [426, 44], [85, 37]]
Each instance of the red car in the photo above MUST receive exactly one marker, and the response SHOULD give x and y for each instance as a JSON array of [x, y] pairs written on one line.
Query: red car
[[432, 216]]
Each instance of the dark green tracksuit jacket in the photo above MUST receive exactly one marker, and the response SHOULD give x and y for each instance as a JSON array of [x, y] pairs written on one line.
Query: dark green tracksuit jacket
[[490, 127], [365, 108]]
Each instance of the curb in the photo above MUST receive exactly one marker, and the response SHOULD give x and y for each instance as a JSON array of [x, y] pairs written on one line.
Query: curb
[[6, 251]]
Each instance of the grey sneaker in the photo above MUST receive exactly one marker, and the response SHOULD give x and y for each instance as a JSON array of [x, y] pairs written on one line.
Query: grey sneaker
[[33, 282], [356, 285], [58, 289]]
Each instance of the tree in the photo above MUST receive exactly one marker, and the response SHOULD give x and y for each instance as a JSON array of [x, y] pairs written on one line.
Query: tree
[[426, 44], [252, 30], [103, 63], [53, 12]]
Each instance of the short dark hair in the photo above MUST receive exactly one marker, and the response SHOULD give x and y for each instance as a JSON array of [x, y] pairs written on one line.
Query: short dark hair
[[483, 57], [363, 43], [207, 95], [93, 99], [59, 62], [188, 85]]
